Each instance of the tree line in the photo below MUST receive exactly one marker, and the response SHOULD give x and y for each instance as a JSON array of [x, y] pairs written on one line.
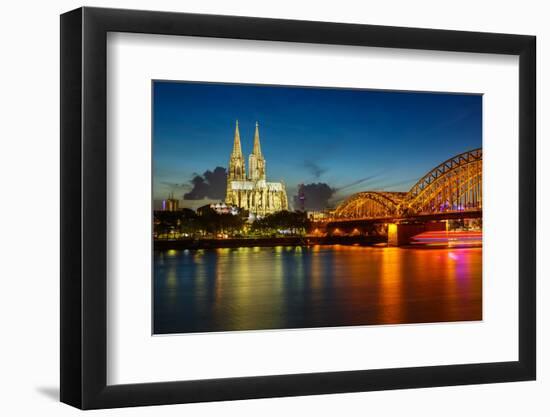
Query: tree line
[[186, 223]]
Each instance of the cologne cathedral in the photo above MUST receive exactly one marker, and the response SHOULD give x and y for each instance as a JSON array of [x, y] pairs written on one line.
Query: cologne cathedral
[[252, 192]]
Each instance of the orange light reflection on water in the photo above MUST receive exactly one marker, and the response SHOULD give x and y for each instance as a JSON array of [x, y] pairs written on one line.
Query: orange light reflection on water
[[319, 286]]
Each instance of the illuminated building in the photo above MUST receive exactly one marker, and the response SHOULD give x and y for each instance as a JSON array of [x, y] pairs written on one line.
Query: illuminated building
[[316, 215], [252, 192], [220, 208], [170, 204]]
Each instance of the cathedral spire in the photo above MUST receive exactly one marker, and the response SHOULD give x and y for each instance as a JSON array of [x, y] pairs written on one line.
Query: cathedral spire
[[256, 162], [237, 141], [236, 170], [257, 149]]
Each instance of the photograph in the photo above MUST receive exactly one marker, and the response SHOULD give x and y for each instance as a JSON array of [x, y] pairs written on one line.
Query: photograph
[[281, 204], [294, 207]]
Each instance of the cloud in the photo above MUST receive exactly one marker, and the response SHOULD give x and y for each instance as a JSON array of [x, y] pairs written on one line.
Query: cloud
[[408, 183], [174, 186], [314, 168], [315, 196], [365, 182], [357, 182], [209, 185]]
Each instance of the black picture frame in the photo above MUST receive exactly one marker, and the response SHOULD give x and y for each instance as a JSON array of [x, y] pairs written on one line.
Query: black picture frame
[[84, 207]]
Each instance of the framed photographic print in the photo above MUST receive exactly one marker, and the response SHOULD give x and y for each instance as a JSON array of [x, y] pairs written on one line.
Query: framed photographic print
[[258, 207]]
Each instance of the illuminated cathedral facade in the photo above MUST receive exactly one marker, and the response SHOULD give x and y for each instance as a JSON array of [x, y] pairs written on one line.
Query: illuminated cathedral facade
[[252, 192]]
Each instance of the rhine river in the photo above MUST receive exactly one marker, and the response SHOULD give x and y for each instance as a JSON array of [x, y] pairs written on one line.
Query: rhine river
[[297, 287]]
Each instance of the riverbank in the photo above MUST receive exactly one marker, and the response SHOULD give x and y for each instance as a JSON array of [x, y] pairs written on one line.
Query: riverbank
[[266, 242]]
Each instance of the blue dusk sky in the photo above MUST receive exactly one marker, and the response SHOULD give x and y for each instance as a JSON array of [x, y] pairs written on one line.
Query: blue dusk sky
[[351, 139]]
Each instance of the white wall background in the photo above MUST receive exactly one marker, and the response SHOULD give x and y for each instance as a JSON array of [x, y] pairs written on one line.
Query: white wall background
[[29, 173]]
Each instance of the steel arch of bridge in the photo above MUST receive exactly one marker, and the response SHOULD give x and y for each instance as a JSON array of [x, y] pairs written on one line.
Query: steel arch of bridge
[[375, 204], [454, 185]]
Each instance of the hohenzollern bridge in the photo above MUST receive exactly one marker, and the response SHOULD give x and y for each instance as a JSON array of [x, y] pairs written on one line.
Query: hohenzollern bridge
[[452, 190]]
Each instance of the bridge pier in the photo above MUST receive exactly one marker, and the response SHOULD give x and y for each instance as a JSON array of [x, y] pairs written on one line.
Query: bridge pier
[[400, 234]]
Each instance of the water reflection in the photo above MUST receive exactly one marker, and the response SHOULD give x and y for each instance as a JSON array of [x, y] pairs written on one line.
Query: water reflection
[[319, 286]]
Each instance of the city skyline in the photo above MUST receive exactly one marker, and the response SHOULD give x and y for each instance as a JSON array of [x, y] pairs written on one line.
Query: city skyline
[[346, 139]]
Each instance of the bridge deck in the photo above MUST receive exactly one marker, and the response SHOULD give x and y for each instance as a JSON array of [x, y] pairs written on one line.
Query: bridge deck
[[449, 215]]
